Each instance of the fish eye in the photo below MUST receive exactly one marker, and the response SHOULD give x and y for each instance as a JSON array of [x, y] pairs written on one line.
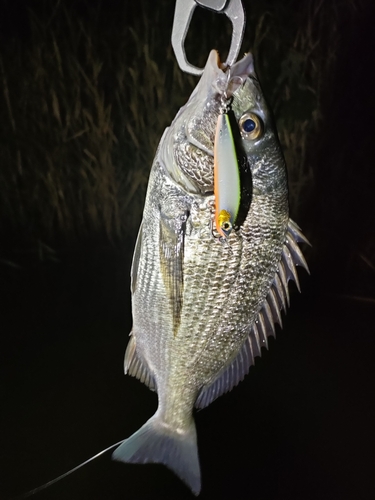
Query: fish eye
[[251, 126]]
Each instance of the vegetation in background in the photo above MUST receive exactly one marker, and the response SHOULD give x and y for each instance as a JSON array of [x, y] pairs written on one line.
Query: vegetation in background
[[86, 96]]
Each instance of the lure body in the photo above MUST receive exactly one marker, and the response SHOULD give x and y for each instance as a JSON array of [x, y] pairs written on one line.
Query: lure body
[[227, 187]]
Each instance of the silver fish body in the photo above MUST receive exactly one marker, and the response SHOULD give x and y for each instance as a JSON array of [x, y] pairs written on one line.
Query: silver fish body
[[203, 308]]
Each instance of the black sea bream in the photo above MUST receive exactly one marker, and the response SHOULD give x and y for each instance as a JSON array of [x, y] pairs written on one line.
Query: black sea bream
[[203, 305]]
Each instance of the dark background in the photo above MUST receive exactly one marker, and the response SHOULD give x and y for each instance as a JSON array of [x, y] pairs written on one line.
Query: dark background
[[301, 425]]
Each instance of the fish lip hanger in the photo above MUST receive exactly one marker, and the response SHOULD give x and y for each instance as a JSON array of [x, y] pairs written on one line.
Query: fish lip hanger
[[233, 9]]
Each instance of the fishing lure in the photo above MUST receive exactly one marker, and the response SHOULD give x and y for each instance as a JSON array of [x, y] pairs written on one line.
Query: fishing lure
[[227, 187]]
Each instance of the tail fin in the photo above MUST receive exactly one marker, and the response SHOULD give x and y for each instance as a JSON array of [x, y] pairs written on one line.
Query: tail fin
[[155, 442]]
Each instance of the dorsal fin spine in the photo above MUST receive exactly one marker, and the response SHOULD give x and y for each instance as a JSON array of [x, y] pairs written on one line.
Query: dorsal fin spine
[[264, 324]]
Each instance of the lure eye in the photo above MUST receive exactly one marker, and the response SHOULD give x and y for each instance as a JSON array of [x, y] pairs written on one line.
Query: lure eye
[[225, 223], [226, 228], [251, 126]]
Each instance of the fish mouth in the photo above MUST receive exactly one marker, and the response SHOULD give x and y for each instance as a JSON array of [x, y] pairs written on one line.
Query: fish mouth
[[218, 83], [239, 72], [192, 133]]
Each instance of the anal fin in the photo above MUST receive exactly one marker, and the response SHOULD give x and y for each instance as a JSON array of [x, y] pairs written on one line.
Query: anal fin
[[137, 367]]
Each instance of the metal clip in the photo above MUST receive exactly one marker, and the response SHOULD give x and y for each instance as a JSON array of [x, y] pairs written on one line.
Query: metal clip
[[233, 9]]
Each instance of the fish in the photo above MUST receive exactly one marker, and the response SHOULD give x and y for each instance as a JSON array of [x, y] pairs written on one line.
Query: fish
[[204, 305]]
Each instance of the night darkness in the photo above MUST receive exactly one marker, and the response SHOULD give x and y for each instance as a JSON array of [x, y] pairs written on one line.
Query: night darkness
[[301, 426]]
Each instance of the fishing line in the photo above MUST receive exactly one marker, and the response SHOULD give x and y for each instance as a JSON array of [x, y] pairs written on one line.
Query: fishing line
[[53, 481]]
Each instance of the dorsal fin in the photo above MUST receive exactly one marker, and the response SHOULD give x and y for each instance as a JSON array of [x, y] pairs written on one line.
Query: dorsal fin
[[264, 325], [137, 367]]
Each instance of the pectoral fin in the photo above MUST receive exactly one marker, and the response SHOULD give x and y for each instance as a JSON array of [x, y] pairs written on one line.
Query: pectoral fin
[[172, 239]]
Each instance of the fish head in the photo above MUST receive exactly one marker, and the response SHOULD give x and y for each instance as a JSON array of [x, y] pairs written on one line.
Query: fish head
[[258, 135], [187, 148]]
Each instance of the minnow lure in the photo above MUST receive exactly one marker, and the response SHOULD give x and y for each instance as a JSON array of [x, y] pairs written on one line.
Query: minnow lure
[[227, 187]]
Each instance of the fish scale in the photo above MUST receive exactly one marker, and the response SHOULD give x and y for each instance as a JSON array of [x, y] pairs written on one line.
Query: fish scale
[[203, 306]]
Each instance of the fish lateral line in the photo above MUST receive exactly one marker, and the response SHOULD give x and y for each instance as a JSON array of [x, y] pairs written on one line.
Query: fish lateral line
[[44, 486]]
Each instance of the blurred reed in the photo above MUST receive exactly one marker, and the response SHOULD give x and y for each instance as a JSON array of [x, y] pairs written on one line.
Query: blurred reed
[[85, 99]]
